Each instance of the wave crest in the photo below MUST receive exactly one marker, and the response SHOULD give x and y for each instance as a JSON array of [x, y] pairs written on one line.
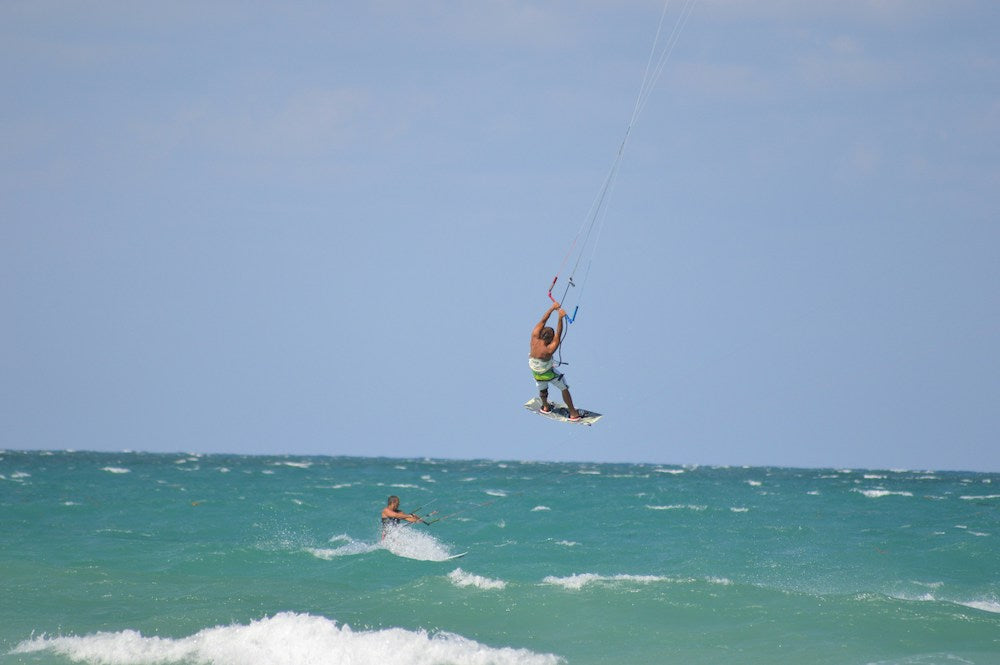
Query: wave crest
[[461, 578], [287, 638]]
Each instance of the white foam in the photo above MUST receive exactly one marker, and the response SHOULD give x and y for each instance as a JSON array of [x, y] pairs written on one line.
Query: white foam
[[974, 497], [116, 469], [409, 542], [879, 493], [736, 509], [567, 543], [461, 578], [577, 582], [754, 483], [538, 508], [574, 582], [909, 597], [287, 638], [295, 465], [984, 605], [350, 547], [403, 540], [677, 507], [675, 472], [496, 492]]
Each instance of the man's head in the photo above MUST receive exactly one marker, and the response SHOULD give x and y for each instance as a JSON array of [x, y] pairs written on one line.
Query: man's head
[[547, 334], [393, 501]]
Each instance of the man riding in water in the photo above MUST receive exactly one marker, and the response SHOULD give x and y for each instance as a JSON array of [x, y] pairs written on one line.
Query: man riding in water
[[392, 516], [544, 342]]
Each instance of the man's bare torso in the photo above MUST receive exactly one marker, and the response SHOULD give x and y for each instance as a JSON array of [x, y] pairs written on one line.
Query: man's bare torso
[[539, 349]]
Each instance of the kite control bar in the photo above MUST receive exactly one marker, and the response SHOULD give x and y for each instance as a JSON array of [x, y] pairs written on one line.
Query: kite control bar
[[554, 280]]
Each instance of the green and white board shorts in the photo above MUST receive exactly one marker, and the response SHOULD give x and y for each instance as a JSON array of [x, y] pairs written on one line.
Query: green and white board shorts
[[545, 373]]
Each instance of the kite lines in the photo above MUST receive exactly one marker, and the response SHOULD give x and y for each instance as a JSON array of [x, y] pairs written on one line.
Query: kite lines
[[585, 242]]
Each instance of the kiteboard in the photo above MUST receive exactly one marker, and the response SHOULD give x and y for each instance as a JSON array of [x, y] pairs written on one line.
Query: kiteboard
[[560, 412], [455, 556]]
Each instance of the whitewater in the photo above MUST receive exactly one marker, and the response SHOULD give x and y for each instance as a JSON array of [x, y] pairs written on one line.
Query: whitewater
[[222, 559]]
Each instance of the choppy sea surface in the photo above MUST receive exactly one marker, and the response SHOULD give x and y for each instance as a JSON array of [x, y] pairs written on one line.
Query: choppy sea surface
[[173, 558]]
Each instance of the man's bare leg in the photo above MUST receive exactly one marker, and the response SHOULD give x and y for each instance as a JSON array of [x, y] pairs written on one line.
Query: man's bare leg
[[573, 413], [544, 394]]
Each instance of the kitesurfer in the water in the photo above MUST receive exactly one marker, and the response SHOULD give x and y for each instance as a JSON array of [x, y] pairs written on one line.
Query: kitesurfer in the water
[[393, 516], [544, 342]]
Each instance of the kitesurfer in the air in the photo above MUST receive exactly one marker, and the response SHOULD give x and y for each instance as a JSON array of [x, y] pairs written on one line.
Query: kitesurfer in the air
[[544, 342]]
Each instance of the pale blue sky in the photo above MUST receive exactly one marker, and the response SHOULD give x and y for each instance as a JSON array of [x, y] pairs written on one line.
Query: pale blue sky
[[328, 228]]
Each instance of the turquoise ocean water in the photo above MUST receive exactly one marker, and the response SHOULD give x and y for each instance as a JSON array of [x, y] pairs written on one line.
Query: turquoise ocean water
[[149, 558]]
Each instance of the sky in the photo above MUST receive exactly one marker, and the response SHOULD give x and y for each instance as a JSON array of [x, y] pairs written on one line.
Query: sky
[[328, 228]]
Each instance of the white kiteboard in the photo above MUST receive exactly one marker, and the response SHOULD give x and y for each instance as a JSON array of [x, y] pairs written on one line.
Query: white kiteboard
[[560, 412], [455, 556]]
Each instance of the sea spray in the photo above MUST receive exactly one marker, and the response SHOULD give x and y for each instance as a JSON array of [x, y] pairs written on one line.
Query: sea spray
[[284, 639], [176, 562]]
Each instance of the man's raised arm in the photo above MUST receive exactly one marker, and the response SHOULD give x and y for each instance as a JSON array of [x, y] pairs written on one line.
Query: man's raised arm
[[558, 337], [541, 324]]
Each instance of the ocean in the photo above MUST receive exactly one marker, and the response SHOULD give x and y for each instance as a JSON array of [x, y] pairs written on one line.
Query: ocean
[[136, 558]]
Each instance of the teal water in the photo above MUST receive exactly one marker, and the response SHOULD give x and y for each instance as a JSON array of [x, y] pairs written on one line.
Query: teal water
[[143, 558]]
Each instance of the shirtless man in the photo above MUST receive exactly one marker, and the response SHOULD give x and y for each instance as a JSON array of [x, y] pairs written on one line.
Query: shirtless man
[[392, 515], [544, 342]]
